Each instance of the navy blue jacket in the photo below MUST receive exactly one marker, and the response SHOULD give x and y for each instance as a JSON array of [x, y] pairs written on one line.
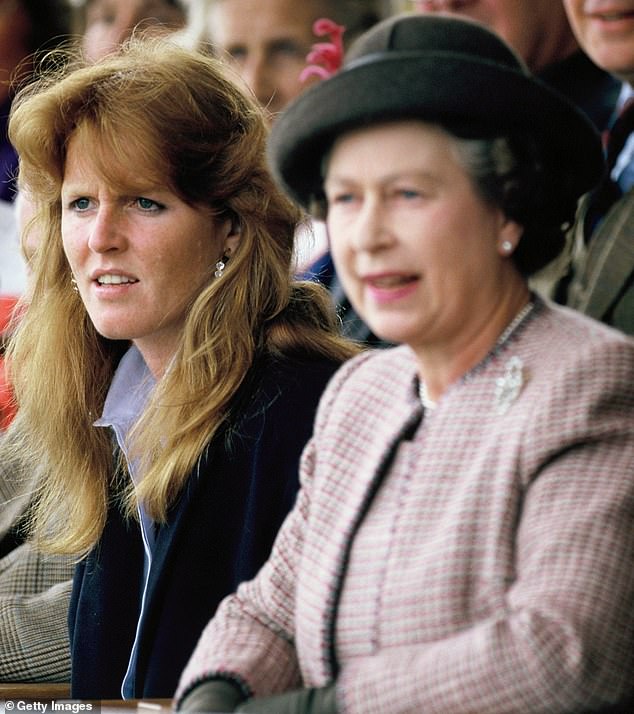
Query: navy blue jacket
[[218, 533], [323, 271]]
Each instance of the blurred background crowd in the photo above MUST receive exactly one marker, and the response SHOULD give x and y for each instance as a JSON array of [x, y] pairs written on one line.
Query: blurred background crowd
[[265, 44]]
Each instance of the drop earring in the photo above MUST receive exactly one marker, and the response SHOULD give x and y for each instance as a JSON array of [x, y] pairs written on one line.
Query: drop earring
[[220, 266], [73, 282]]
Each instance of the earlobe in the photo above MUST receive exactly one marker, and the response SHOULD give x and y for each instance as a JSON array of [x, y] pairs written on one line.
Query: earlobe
[[509, 237]]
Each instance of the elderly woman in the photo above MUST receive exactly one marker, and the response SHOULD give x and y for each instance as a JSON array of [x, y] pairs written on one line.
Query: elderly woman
[[162, 324], [463, 539]]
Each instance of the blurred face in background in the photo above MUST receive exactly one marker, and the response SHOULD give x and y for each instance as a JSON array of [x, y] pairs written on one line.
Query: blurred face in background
[[15, 28], [111, 22], [538, 30], [605, 29], [267, 42]]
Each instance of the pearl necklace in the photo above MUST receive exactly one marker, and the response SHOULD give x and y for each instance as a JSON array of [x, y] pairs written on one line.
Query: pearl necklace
[[429, 404]]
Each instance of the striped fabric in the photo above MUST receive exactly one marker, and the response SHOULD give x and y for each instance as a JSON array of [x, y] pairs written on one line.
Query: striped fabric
[[460, 561], [602, 285]]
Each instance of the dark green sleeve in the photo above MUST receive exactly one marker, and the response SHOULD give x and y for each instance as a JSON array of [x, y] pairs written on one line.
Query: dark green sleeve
[[301, 701], [217, 695]]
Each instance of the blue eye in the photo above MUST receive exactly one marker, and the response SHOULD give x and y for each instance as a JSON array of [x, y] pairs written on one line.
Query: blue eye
[[80, 204], [147, 204], [342, 198], [408, 193]]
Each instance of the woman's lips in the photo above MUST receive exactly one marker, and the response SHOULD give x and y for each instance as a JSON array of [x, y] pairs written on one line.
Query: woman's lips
[[390, 287]]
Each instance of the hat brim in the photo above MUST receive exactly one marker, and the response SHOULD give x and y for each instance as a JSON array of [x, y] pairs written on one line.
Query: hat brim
[[473, 98]]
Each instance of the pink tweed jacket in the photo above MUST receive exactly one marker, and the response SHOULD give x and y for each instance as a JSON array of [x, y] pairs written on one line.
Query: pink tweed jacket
[[476, 558]]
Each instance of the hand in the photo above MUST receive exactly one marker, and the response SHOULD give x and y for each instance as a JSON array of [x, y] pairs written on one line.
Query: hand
[[217, 695], [300, 701]]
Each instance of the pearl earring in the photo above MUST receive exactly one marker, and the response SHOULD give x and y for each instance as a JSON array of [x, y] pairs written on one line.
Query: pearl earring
[[507, 247]]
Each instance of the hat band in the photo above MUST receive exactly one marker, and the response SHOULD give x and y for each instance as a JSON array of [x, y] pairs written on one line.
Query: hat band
[[398, 55]]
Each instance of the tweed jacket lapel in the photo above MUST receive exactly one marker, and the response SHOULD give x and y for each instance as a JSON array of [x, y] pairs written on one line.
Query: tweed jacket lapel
[[609, 262], [339, 511]]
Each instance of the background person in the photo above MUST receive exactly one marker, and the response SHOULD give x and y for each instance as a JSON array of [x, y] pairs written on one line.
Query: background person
[[267, 41], [463, 538], [106, 24], [34, 592], [26, 27], [601, 278], [540, 32], [161, 288]]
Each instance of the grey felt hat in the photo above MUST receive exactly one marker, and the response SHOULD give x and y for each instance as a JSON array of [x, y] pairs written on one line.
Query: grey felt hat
[[442, 69]]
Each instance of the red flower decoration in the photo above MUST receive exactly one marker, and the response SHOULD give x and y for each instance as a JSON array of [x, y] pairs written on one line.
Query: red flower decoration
[[325, 58]]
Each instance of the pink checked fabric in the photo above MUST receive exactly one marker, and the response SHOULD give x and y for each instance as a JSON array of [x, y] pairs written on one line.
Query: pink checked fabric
[[470, 562]]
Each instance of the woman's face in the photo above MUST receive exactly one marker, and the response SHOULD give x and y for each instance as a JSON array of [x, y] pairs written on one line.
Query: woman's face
[[140, 256], [418, 252]]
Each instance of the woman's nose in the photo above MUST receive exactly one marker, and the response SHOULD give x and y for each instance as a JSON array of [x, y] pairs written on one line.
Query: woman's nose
[[105, 231], [371, 231]]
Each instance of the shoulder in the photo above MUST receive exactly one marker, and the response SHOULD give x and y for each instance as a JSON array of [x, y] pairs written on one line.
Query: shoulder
[[580, 371], [387, 369], [575, 405], [372, 385], [615, 228], [565, 338], [281, 391], [288, 376]]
